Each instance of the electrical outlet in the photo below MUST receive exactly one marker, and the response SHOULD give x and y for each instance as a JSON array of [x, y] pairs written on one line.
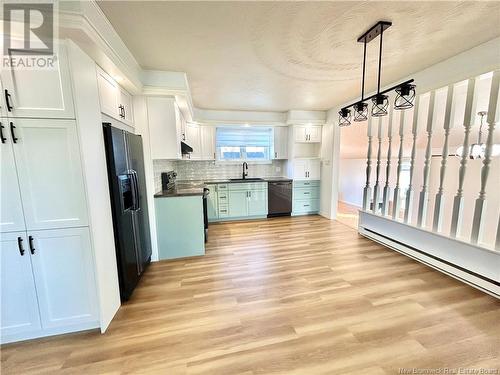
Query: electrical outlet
[[278, 169]]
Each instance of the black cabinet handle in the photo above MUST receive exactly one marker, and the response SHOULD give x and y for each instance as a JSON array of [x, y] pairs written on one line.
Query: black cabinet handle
[[32, 247], [20, 245], [7, 100], [1, 133], [12, 132]]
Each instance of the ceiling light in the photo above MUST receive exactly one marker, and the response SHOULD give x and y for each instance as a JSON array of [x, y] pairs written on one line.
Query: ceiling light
[[380, 105], [405, 90], [360, 112], [344, 117], [405, 96]]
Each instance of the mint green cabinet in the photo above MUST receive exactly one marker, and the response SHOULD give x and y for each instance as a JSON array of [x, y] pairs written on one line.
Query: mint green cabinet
[[257, 202], [306, 196], [238, 203], [179, 226], [242, 200], [212, 203]]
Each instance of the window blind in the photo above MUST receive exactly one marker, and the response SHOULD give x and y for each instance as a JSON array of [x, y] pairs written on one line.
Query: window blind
[[243, 137]]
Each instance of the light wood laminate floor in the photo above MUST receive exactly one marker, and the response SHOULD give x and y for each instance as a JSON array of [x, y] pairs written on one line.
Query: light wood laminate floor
[[300, 295]]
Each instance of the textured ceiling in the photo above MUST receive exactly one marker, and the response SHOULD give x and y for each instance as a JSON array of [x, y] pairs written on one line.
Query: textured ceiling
[[293, 55]]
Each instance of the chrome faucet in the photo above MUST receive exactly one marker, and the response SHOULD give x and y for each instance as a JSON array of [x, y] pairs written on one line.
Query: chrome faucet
[[245, 168]]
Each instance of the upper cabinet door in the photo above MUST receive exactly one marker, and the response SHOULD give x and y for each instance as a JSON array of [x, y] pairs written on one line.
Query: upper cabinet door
[[164, 130], [127, 111], [300, 134], [314, 134], [50, 173], [193, 140], [39, 93], [63, 270], [280, 142], [11, 209], [19, 305], [108, 94], [207, 142]]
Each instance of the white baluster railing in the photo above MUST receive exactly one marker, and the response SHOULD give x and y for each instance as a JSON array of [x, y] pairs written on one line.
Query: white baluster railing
[[479, 218], [458, 200], [387, 188], [424, 193], [367, 191], [410, 191], [437, 223], [376, 189], [396, 203]]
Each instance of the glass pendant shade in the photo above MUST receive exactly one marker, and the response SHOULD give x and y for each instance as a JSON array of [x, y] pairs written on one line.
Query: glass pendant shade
[[478, 150], [405, 97], [360, 112], [344, 117], [380, 105]]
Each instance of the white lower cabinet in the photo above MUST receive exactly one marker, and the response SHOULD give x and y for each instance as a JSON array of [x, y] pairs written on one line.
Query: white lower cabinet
[[62, 266], [18, 294], [48, 283]]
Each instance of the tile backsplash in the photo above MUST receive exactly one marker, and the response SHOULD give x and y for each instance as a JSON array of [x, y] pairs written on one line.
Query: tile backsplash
[[210, 170]]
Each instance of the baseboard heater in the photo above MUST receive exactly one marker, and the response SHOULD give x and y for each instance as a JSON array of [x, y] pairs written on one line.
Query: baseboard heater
[[475, 266]]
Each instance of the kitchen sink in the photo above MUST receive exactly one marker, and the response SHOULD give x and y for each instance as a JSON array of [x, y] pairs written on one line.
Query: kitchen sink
[[246, 179]]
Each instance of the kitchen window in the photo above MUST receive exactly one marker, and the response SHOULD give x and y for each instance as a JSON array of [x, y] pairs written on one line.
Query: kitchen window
[[243, 143]]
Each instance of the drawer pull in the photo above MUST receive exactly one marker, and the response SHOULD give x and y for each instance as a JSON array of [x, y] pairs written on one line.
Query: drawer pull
[[306, 192]]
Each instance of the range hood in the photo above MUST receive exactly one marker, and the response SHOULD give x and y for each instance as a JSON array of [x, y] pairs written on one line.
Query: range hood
[[185, 148]]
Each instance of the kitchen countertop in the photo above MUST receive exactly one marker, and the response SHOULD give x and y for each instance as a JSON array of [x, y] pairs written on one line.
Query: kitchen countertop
[[182, 189], [190, 188]]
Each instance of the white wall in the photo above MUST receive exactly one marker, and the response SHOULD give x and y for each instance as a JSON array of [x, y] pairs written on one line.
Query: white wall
[[83, 72]]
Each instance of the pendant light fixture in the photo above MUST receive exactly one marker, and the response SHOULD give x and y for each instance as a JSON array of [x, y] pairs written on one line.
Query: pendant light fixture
[[405, 96], [345, 117], [405, 91], [478, 150]]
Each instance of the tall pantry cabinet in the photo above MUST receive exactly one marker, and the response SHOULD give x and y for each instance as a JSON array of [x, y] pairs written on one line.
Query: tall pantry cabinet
[[47, 272]]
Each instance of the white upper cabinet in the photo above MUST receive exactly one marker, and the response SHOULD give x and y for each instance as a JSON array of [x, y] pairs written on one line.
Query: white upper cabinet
[[207, 142], [50, 175], [114, 100], [280, 142], [126, 108], [305, 169], [39, 93], [164, 128], [19, 306], [108, 93], [193, 135], [62, 260], [307, 133], [11, 209]]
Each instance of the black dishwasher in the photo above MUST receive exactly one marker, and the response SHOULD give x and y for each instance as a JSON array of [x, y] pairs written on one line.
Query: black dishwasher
[[279, 198]]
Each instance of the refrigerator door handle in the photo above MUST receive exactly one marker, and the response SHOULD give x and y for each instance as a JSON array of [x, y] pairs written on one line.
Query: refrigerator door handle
[[135, 189], [137, 193]]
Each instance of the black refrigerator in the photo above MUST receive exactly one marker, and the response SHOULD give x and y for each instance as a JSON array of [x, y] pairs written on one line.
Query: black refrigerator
[[127, 186]]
